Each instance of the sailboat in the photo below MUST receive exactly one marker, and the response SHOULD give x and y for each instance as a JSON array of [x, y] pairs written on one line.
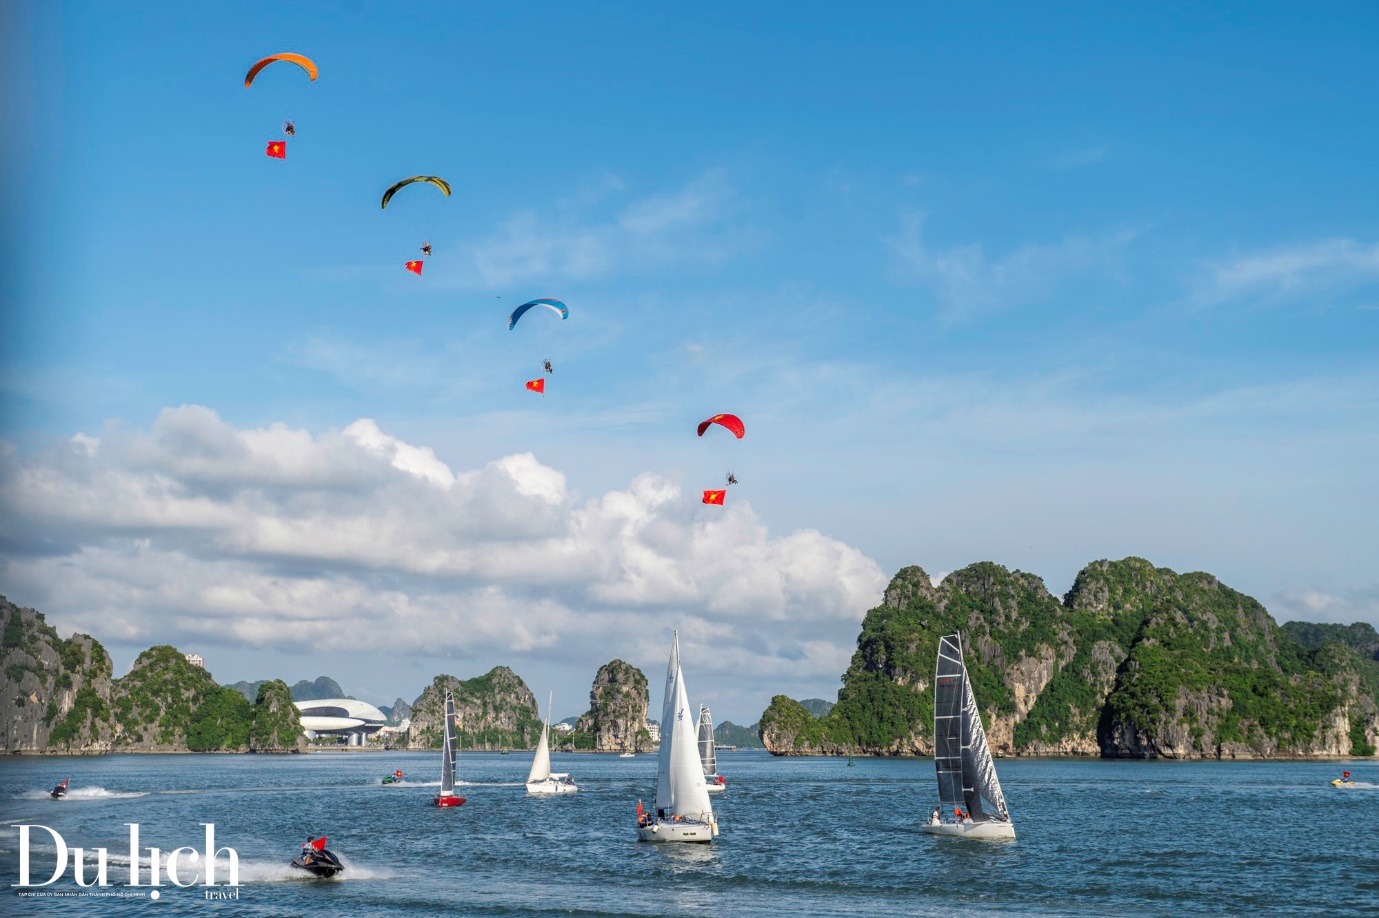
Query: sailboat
[[541, 780], [683, 810], [708, 757], [449, 751], [971, 802]]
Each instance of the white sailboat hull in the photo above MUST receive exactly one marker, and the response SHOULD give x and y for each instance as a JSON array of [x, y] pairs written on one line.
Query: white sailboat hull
[[550, 787], [682, 831], [715, 788], [970, 829]]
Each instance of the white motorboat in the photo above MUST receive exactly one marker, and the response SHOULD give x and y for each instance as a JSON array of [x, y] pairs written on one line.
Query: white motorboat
[[541, 781], [683, 811], [971, 804]]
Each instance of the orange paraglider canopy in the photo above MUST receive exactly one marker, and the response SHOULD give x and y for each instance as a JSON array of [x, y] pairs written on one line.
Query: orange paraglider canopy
[[302, 61], [730, 421]]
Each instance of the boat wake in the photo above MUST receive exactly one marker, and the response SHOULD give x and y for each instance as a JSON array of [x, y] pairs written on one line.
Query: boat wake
[[1359, 785], [489, 784], [257, 871], [84, 793], [405, 783]]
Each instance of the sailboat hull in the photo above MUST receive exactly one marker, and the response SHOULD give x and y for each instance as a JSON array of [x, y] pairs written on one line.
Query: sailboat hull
[[970, 829], [450, 800], [549, 788], [685, 831]]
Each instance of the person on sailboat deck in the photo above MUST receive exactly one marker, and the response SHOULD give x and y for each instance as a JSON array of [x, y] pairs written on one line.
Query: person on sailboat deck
[[961, 816], [936, 817]]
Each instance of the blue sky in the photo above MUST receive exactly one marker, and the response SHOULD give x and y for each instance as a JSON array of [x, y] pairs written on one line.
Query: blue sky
[[1038, 287]]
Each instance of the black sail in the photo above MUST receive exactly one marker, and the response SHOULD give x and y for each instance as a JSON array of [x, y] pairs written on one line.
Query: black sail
[[966, 774], [949, 681]]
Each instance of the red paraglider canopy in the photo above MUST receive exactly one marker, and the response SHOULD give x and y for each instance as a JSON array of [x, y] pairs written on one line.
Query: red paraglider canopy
[[730, 421]]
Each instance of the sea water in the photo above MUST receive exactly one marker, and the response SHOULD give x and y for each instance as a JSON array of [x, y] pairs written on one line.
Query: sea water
[[807, 836]]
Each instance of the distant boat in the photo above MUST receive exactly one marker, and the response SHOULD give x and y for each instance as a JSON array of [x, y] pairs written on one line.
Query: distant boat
[[61, 790], [708, 755], [628, 755], [683, 810], [971, 802], [315, 859], [449, 751], [541, 780]]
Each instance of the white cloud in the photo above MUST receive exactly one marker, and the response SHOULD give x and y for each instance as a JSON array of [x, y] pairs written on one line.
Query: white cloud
[[687, 226], [355, 540], [1322, 268], [420, 461], [967, 282], [1359, 605]]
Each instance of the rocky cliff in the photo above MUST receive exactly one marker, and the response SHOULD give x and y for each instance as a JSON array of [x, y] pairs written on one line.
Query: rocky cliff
[[398, 712], [730, 734], [55, 694], [1135, 661], [165, 704], [276, 725], [616, 719], [316, 689], [493, 711]]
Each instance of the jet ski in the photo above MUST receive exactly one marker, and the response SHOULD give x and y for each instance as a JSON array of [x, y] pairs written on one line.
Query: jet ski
[[393, 778], [61, 790], [1343, 780], [317, 860]]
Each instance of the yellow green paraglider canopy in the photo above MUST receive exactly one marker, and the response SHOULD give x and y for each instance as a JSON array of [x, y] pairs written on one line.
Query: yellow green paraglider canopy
[[436, 180]]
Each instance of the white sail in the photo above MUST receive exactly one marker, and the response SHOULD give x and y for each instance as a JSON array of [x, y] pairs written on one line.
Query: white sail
[[978, 768], [708, 757], [687, 793], [448, 750], [541, 765], [663, 759]]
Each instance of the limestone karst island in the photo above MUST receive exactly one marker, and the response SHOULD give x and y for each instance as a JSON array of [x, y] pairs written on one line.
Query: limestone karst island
[[1135, 661]]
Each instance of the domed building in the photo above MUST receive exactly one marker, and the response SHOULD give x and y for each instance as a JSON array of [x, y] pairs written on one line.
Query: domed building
[[348, 717]]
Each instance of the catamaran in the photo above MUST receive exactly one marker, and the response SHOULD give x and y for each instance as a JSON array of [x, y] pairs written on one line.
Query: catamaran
[[541, 780], [971, 802], [708, 756], [449, 752], [683, 810]]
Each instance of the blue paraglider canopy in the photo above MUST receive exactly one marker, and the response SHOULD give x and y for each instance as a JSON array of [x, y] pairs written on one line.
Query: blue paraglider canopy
[[553, 305]]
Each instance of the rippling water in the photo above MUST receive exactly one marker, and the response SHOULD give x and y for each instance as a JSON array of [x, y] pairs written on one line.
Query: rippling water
[[800, 837]]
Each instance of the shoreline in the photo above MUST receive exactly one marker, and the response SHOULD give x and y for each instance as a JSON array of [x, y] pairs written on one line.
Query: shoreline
[[1041, 758]]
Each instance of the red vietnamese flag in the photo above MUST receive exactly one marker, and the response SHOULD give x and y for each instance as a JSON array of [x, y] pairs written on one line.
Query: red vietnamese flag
[[537, 385], [714, 497], [277, 149], [414, 267]]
